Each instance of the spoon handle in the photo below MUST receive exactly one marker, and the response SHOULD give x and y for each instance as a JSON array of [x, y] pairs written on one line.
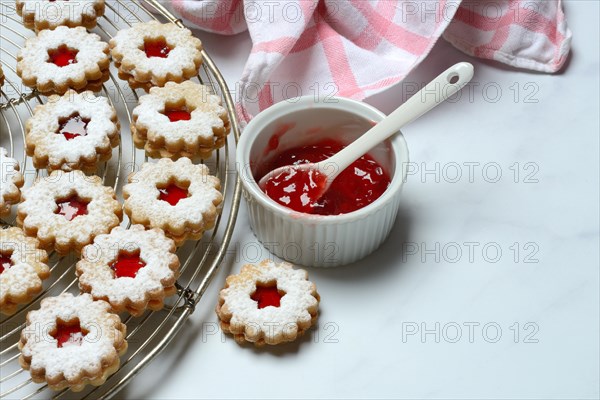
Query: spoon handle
[[435, 92]]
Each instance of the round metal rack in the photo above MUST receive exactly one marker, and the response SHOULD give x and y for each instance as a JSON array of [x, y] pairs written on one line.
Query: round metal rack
[[149, 334]]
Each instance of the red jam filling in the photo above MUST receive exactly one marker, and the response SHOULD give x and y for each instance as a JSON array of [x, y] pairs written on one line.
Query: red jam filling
[[63, 56], [5, 262], [156, 48], [72, 207], [73, 127], [127, 265], [363, 182], [267, 296], [68, 334], [177, 114], [172, 194]]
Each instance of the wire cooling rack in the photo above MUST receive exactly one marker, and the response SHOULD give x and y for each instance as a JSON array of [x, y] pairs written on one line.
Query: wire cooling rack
[[149, 334]]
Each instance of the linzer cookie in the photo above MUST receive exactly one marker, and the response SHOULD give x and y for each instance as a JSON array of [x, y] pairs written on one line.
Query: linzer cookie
[[11, 180], [132, 269], [268, 303], [67, 210], [22, 269], [180, 120], [152, 54], [1, 76], [62, 59], [49, 14], [72, 341], [73, 131], [176, 196]]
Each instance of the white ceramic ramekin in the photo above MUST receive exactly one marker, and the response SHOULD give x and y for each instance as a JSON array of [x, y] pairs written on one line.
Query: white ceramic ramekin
[[314, 240]]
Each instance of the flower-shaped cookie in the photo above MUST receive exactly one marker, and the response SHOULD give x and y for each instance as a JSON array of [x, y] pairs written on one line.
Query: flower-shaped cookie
[[180, 120], [268, 303], [133, 269], [67, 210], [11, 180], [72, 341], [49, 14], [22, 269], [152, 54], [62, 59], [176, 196], [73, 131]]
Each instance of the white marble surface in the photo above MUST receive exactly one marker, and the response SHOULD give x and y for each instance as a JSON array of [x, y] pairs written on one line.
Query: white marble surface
[[528, 317], [542, 292]]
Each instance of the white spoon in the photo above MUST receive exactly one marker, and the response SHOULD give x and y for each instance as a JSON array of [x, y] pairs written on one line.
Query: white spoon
[[435, 92]]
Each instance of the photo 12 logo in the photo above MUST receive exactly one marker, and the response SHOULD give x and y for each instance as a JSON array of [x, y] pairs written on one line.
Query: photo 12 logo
[[471, 252], [472, 172], [469, 332]]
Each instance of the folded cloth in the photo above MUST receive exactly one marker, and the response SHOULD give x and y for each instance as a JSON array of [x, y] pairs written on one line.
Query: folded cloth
[[356, 48]]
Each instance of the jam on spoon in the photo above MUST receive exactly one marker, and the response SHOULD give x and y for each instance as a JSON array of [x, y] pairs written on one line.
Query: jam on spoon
[[363, 182]]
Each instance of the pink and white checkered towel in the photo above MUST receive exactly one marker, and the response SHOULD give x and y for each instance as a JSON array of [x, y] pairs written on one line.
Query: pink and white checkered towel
[[356, 48]]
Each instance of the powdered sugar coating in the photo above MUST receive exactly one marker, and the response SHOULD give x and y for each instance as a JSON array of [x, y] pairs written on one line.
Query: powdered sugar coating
[[271, 325], [98, 351], [44, 14], [155, 250], [10, 182], [208, 119], [53, 151], [36, 70], [23, 280], [191, 215], [37, 213], [182, 62]]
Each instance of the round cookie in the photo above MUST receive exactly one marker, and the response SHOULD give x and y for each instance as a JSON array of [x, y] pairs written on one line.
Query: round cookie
[[72, 341], [152, 54], [22, 269], [180, 120], [72, 131], [11, 180], [268, 303], [66, 210], [132, 269], [65, 58], [176, 196], [49, 14]]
